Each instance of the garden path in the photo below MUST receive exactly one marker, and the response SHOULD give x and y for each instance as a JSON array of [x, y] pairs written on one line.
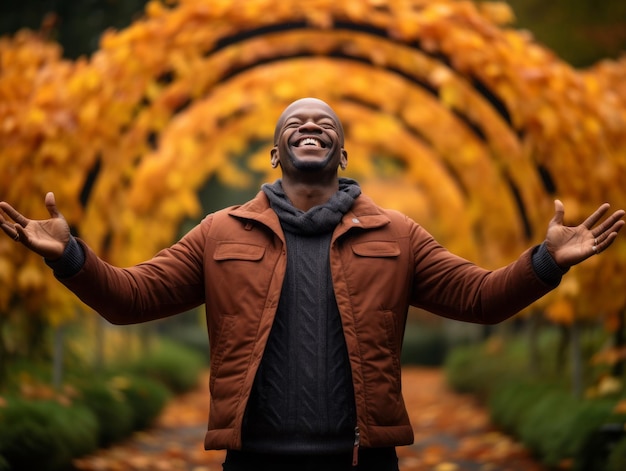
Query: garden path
[[452, 433]]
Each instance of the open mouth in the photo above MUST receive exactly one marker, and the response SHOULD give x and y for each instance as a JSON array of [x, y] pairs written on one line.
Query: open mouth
[[310, 142]]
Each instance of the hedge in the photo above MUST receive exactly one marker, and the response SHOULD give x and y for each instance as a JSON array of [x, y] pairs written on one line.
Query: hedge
[[541, 412], [47, 435]]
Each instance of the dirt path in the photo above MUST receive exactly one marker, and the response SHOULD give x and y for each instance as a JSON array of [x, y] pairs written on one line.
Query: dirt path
[[452, 433]]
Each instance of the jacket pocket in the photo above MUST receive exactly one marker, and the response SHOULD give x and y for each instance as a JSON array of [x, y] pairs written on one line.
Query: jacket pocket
[[374, 265], [218, 349], [238, 251], [393, 344], [377, 248]]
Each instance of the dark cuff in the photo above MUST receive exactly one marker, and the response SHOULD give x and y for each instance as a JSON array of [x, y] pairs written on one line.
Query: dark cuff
[[70, 262], [545, 267]]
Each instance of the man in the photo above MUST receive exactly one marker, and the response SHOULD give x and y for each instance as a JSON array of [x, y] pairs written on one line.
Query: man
[[307, 288]]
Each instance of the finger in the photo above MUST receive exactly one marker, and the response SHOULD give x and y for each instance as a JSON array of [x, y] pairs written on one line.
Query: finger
[[609, 222], [601, 246], [8, 228], [51, 205], [604, 240], [13, 213], [20, 235], [595, 217], [559, 212]]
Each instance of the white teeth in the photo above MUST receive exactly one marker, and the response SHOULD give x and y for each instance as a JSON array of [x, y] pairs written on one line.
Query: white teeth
[[309, 141]]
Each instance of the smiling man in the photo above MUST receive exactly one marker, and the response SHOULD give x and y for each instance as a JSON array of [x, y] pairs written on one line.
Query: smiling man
[[307, 288], [308, 146]]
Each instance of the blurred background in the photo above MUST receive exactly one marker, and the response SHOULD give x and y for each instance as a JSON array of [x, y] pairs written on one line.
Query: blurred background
[[470, 117], [580, 31]]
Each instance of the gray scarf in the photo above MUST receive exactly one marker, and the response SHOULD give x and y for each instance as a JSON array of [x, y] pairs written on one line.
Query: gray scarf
[[317, 220]]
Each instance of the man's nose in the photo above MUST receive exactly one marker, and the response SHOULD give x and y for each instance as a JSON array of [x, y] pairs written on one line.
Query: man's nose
[[310, 126]]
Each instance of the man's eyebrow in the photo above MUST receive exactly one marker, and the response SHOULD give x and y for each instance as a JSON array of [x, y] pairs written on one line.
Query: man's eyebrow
[[319, 117]]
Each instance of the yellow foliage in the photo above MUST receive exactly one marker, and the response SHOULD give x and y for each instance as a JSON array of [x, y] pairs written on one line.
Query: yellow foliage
[[620, 407], [29, 278], [499, 13], [456, 143], [561, 311], [606, 386]]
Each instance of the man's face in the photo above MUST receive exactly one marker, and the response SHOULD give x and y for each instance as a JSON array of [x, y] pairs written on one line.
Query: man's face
[[308, 138]]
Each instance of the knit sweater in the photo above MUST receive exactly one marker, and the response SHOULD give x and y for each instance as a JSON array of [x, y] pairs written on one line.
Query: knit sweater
[[302, 400]]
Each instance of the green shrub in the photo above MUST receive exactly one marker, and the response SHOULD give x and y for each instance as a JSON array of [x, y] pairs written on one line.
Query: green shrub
[[591, 418], [552, 423], [460, 371], [176, 366], [471, 369], [146, 398], [542, 428], [617, 456], [539, 410], [109, 405], [188, 329], [510, 402], [45, 435], [424, 345]]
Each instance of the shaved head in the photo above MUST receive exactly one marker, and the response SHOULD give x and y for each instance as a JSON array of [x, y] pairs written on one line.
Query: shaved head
[[303, 103]]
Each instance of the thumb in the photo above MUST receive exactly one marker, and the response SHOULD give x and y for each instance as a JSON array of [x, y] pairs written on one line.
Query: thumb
[[51, 205], [559, 213]]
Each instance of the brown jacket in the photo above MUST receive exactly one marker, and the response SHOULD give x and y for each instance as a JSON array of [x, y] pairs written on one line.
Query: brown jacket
[[235, 260]]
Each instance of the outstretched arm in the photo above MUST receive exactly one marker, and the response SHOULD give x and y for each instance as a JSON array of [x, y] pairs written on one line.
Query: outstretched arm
[[453, 287], [570, 245], [46, 237], [169, 283]]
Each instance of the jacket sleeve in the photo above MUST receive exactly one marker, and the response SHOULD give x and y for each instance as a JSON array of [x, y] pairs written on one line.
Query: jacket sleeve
[[170, 283], [450, 286]]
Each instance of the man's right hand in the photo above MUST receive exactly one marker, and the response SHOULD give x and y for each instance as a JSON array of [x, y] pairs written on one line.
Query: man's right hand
[[46, 237]]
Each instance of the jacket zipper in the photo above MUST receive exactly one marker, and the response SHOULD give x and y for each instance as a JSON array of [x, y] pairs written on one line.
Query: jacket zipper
[[355, 448]]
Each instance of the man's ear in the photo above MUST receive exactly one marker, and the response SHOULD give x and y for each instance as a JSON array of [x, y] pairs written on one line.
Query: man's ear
[[274, 157], [343, 163]]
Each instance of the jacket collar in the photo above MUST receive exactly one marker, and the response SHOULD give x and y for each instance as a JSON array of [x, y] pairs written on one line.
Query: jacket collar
[[364, 214]]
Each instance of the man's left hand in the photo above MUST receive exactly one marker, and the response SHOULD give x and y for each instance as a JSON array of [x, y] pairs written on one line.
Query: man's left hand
[[570, 245]]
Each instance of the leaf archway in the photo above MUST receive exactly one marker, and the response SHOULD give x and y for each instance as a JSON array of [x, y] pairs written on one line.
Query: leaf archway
[[465, 124]]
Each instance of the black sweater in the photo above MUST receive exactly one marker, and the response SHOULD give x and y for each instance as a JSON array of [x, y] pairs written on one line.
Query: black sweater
[[302, 400]]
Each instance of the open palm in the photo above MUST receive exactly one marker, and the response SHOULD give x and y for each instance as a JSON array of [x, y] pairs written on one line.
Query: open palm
[[570, 245], [46, 237]]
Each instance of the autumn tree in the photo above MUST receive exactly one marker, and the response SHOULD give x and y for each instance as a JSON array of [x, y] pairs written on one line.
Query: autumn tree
[[467, 125]]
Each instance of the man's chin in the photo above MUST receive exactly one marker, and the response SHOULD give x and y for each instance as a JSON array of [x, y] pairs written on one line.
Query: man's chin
[[309, 165], [312, 164]]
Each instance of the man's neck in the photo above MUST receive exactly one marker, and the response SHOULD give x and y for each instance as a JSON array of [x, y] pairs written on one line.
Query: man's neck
[[305, 196]]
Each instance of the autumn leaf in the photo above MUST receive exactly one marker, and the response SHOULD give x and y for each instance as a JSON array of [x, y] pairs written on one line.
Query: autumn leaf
[[487, 123]]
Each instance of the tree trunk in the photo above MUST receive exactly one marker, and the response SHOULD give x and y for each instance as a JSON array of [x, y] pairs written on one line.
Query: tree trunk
[[534, 359], [577, 361], [561, 350], [57, 357], [4, 353], [619, 339], [99, 353]]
